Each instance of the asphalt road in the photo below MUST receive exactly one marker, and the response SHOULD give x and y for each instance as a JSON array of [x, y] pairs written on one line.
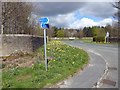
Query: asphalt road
[[102, 70]]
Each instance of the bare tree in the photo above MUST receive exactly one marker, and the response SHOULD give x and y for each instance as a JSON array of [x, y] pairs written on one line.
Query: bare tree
[[117, 15], [15, 17]]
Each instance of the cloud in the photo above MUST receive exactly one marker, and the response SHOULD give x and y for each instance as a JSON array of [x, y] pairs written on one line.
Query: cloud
[[87, 22], [101, 9], [83, 23], [98, 9], [75, 15], [105, 21], [70, 0], [55, 8], [69, 21], [62, 20]]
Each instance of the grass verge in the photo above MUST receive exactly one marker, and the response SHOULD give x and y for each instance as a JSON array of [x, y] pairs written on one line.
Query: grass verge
[[66, 60], [90, 40]]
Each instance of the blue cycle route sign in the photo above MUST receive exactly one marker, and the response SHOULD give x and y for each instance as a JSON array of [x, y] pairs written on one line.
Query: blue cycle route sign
[[44, 25], [44, 22]]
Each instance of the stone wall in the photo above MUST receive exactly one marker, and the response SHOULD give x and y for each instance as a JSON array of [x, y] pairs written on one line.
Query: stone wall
[[0, 45], [18, 42], [0, 15]]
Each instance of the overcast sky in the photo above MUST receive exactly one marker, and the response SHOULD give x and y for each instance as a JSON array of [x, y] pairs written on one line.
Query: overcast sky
[[75, 15]]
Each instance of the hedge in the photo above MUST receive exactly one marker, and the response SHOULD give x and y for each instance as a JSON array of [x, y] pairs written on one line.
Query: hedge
[[98, 39]]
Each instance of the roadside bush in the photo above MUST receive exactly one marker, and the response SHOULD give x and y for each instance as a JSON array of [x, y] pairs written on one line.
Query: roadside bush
[[98, 39], [94, 38]]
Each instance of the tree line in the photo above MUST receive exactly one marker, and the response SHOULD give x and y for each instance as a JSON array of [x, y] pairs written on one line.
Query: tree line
[[85, 32]]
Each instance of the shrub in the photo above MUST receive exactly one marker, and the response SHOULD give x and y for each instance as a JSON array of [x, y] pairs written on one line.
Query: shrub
[[94, 38], [99, 39]]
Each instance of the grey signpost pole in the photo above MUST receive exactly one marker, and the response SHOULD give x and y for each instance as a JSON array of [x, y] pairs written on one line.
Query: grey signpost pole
[[105, 39], [45, 49]]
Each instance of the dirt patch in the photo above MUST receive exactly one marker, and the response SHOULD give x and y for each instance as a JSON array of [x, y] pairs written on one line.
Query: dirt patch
[[109, 82], [23, 77], [112, 68], [20, 59]]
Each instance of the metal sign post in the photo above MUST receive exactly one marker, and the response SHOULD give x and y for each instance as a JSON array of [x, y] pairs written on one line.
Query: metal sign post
[[45, 49], [107, 37], [44, 24]]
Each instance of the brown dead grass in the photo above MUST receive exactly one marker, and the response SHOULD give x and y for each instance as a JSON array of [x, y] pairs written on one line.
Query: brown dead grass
[[23, 77]]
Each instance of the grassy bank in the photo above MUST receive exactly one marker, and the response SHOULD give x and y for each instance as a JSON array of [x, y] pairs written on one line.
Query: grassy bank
[[65, 60], [87, 39], [90, 40]]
